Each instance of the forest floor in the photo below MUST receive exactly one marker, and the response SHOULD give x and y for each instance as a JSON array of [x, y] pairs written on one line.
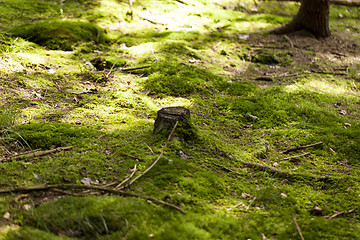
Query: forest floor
[[276, 148]]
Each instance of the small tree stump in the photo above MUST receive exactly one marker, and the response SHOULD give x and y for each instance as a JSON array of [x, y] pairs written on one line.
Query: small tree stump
[[166, 119]]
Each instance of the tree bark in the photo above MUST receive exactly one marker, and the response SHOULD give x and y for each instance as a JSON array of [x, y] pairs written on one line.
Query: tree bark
[[350, 3], [313, 16]]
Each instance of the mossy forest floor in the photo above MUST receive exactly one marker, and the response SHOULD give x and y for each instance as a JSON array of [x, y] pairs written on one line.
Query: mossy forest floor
[[91, 75]]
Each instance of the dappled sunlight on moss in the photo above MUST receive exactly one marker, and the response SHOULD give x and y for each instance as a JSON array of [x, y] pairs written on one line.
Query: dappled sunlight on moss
[[325, 86], [251, 96], [60, 34]]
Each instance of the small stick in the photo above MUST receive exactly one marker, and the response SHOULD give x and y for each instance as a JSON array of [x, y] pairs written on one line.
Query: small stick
[[251, 202], [87, 187], [131, 175], [152, 50], [68, 193], [34, 154], [301, 147], [153, 164], [112, 67], [152, 152], [134, 68], [341, 213], [288, 39], [297, 227], [134, 157], [251, 164], [215, 46], [131, 9], [289, 158]]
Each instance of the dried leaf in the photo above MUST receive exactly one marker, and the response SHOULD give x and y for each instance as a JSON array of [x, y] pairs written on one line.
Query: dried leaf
[[6, 215]]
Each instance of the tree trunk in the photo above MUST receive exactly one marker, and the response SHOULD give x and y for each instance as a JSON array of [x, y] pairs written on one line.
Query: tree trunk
[[313, 16], [166, 119]]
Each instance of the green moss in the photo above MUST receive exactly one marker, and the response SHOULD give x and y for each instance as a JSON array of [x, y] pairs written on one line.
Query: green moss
[[179, 79], [107, 63], [269, 18], [197, 61], [46, 136], [31, 233], [62, 35]]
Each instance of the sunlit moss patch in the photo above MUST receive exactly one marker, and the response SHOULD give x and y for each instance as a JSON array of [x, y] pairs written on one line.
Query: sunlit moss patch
[[60, 34]]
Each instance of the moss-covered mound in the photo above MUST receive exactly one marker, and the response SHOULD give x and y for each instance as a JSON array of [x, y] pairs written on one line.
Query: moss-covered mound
[[60, 35]]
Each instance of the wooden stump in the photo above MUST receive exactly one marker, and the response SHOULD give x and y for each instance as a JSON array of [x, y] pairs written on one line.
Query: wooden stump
[[166, 119]]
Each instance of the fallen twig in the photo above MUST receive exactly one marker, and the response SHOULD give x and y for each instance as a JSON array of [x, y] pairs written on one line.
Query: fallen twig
[[34, 154], [123, 182], [133, 69], [151, 18], [297, 227], [153, 164], [251, 202], [330, 73], [279, 172], [87, 187], [152, 152], [134, 157], [289, 40], [112, 67], [289, 158], [341, 213], [225, 168], [68, 193], [152, 50], [301, 147]]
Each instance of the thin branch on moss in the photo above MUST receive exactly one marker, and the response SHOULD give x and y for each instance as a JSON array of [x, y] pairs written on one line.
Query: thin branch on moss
[[154, 163], [34, 154], [152, 152], [112, 67], [289, 40], [301, 147], [123, 182], [225, 168], [134, 157], [152, 50], [134, 68], [293, 157], [341, 213], [297, 227], [279, 172], [68, 193], [87, 187]]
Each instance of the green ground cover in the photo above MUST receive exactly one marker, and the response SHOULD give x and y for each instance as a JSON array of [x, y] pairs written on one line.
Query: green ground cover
[[91, 75]]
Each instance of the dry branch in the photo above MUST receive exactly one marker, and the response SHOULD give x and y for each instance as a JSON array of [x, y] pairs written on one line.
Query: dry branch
[[127, 179], [134, 157], [293, 157], [341, 213], [301, 147], [153, 164], [289, 40], [112, 67], [87, 187], [33, 154], [133, 69], [279, 172], [297, 227]]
